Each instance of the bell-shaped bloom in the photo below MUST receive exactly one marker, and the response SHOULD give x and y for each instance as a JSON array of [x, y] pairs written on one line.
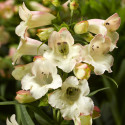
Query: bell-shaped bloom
[[24, 97], [43, 76], [63, 52], [71, 98], [4, 36], [95, 54], [107, 28], [29, 46], [32, 19], [12, 120]]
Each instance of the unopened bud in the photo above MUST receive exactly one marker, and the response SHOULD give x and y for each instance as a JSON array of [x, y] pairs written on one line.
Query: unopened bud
[[38, 57], [24, 97], [44, 34], [46, 2], [55, 2], [74, 5], [81, 27], [82, 71], [96, 113], [113, 22]]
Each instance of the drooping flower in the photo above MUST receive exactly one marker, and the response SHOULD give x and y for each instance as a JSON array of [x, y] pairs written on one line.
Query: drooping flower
[[32, 19], [63, 52], [71, 98], [95, 54], [43, 76], [12, 120], [106, 27], [29, 47]]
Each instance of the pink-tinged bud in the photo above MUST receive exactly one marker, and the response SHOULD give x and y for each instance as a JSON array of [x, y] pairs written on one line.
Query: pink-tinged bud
[[74, 5], [44, 33], [82, 71], [24, 97], [38, 57], [55, 2], [81, 27], [113, 22], [96, 113]]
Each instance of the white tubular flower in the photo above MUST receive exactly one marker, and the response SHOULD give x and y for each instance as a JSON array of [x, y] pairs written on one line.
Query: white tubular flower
[[95, 54], [107, 28], [12, 120], [71, 98], [32, 19], [63, 52], [29, 47], [42, 78]]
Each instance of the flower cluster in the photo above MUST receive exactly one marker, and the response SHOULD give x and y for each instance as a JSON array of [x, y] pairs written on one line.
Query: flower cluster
[[62, 53]]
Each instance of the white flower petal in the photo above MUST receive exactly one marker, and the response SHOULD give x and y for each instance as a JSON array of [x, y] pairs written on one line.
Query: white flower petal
[[84, 87], [85, 105], [96, 26], [21, 29], [66, 36], [12, 120]]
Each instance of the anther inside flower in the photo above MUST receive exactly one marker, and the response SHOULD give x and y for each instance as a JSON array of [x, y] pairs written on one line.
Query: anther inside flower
[[95, 54], [72, 93], [62, 48], [63, 52], [71, 98]]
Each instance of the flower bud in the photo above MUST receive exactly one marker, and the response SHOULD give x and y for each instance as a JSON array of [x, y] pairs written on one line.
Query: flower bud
[[74, 5], [96, 113], [81, 27], [113, 22], [82, 71], [46, 2], [24, 97], [55, 2], [44, 34]]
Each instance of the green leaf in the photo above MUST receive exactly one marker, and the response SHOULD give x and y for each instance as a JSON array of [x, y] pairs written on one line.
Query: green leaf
[[9, 103], [94, 92], [46, 120], [25, 118], [111, 79], [44, 101]]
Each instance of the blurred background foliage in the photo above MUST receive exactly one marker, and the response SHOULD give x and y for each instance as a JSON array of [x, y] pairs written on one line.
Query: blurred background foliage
[[111, 101]]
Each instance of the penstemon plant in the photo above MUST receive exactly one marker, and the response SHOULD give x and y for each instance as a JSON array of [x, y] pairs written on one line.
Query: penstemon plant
[[70, 51]]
